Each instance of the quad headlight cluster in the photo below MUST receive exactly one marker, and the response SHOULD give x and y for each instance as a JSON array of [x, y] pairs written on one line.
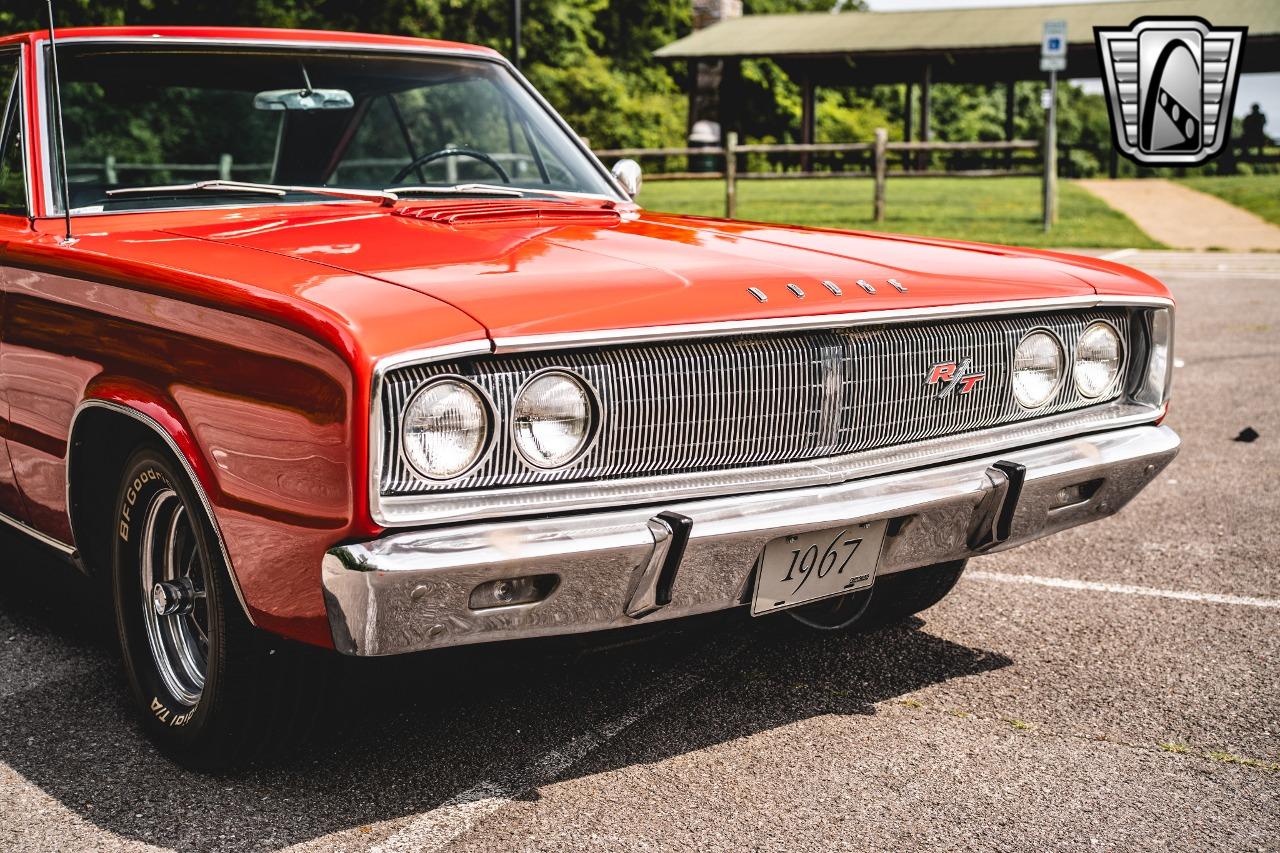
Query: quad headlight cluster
[[450, 424], [1039, 364]]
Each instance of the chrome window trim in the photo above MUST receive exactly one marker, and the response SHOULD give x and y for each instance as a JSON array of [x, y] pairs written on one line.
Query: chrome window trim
[[28, 174], [421, 510], [151, 424], [46, 150]]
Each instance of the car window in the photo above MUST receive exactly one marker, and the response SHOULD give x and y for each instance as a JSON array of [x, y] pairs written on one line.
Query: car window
[[149, 117], [471, 116], [13, 190], [155, 132]]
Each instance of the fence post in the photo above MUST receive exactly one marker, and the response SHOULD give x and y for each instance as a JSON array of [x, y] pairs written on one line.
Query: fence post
[[109, 170], [224, 166], [882, 141], [731, 174]]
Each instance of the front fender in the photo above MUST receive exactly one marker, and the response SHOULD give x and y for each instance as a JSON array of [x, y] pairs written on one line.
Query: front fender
[[159, 416]]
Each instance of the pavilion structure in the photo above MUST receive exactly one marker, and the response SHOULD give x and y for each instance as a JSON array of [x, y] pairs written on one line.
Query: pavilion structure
[[996, 46]]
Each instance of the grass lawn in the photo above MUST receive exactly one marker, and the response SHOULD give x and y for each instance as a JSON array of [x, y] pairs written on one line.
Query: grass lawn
[[1258, 193], [989, 210]]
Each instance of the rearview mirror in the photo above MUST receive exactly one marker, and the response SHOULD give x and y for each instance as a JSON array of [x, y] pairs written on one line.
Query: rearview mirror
[[303, 99]]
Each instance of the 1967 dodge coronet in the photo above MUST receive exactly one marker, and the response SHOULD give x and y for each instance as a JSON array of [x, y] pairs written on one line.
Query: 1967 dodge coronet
[[354, 347]]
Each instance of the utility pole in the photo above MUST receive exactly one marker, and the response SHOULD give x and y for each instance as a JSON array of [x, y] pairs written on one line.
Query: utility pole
[[515, 33]]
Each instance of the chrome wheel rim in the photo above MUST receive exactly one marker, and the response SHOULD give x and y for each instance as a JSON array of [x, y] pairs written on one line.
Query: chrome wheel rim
[[834, 614], [174, 601]]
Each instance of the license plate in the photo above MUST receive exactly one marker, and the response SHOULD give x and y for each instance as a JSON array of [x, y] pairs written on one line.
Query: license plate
[[810, 566]]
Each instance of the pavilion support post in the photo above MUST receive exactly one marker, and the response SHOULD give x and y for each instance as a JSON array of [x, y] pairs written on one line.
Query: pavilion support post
[[731, 174], [807, 122], [692, 112], [925, 97], [729, 96], [908, 108], [1010, 108], [882, 169]]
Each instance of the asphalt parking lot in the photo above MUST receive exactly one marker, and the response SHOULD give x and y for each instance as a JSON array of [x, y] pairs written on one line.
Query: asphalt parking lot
[[1114, 687]]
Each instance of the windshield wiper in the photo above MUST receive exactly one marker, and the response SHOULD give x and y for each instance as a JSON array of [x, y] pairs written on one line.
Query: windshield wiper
[[384, 198], [458, 189]]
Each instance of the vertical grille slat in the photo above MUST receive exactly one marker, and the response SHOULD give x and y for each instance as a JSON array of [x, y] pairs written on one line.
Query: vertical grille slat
[[754, 399]]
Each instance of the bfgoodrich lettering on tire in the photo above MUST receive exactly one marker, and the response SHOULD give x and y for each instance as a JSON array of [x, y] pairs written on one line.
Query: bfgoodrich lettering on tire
[[213, 691]]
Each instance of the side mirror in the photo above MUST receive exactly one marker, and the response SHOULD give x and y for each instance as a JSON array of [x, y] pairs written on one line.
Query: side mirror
[[303, 99], [629, 176]]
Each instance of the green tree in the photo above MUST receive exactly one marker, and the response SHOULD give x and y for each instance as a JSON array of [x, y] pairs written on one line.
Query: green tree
[[593, 59]]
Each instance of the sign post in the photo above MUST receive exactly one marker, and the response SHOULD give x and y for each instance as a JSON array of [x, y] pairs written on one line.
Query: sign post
[[1053, 58]]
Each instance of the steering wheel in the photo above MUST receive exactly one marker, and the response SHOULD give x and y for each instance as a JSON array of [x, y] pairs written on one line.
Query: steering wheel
[[452, 152]]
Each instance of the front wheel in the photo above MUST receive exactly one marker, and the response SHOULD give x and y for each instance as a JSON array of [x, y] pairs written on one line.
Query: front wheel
[[892, 599], [213, 690]]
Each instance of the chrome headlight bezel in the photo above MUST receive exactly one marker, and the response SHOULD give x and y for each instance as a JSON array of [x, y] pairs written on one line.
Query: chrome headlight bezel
[[1061, 364], [1155, 376], [1121, 354], [593, 415], [490, 426]]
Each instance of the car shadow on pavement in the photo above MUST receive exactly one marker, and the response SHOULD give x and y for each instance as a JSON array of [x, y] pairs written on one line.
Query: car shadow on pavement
[[424, 728]]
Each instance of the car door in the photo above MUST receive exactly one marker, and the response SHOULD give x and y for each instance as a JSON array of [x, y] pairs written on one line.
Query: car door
[[14, 226]]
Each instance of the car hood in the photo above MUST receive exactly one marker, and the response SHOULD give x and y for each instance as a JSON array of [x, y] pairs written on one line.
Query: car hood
[[530, 275]]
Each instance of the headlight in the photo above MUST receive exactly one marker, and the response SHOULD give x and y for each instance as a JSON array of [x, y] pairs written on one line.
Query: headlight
[[445, 429], [1037, 369], [1099, 354], [553, 419]]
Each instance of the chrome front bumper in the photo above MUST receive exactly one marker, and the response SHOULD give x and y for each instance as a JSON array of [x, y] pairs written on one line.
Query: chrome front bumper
[[411, 591]]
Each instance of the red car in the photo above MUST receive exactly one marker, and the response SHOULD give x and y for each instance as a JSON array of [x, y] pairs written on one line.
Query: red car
[[355, 347]]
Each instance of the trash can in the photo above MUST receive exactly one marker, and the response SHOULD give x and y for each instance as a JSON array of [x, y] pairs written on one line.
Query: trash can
[[705, 134]]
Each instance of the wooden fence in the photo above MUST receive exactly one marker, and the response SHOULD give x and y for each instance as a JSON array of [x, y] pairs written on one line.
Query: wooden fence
[[879, 152], [875, 155]]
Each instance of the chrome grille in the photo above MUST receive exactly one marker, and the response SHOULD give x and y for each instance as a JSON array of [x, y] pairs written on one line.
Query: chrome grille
[[754, 399]]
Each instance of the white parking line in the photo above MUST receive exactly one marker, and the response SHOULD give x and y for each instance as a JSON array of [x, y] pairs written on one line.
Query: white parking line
[[436, 829], [1126, 589]]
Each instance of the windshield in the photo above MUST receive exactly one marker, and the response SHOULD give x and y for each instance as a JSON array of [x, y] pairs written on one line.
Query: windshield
[[161, 117]]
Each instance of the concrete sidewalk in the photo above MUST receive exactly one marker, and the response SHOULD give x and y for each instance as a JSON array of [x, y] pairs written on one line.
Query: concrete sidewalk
[[1183, 218]]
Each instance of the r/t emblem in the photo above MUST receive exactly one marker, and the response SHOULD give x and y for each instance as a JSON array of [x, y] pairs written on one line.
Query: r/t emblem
[[954, 378]]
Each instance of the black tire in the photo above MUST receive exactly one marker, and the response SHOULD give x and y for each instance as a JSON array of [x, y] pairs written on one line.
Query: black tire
[[214, 692], [894, 598]]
